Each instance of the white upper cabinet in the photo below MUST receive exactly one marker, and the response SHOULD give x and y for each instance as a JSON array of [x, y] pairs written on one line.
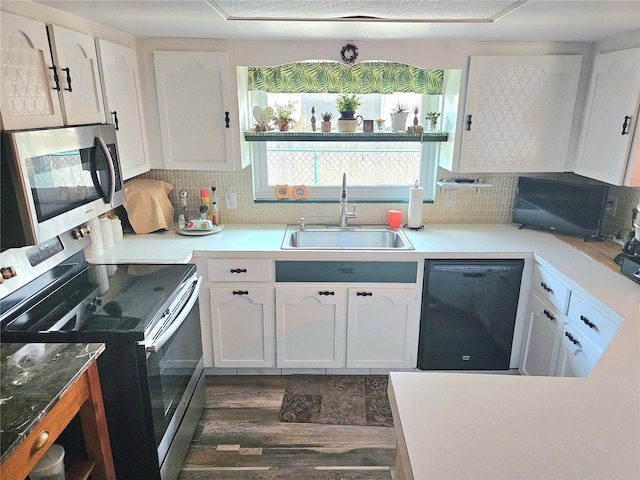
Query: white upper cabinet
[[199, 130], [28, 98], [80, 87], [608, 151], [518, 113], [119, 68]]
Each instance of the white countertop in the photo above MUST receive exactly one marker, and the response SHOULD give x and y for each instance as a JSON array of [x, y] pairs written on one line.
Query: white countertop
[[473, 426]]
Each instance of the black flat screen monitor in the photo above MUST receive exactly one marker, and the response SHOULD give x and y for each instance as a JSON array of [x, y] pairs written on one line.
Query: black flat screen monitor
[[571, 208]]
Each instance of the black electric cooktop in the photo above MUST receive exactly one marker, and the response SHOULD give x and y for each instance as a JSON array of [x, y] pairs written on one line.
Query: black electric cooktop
[[78, 302]]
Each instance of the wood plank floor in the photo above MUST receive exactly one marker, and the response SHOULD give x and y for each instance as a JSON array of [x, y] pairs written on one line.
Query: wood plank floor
[[240, 437]]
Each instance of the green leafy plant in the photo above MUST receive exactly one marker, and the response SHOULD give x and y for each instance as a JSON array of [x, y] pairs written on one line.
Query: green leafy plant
[[433, 118], [327, 116], [400, 108], [285, 111], [347, 103]]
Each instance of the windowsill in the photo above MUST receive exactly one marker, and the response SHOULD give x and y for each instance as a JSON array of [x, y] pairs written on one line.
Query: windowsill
[[319, 200], [274, 136]]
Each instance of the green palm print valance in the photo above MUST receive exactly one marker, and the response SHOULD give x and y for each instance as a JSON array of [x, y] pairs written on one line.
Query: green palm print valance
[[333, 77]]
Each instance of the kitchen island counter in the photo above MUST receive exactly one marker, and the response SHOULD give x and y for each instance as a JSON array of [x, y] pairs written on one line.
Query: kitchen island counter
[[472, 426]]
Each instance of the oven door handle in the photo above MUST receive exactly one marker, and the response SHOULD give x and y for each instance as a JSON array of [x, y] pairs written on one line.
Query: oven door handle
[[112, 170], [157, 344]]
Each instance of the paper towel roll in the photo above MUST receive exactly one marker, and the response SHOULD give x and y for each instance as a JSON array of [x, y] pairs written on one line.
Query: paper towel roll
[[95, 248], [416, 197], [107, 232]]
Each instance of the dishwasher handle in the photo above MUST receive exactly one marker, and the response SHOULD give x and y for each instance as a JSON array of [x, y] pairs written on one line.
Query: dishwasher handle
[[471, 270]]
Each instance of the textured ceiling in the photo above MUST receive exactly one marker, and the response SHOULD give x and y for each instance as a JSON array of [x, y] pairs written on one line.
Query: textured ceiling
[[381, 10]]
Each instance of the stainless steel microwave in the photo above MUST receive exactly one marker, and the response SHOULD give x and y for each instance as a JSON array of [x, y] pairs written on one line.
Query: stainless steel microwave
[[56, 179]]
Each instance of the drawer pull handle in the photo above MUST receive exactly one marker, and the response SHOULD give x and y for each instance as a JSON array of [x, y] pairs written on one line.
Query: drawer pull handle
[[469, 122], [326, 293], [68, 70], [548, 315], [588, 323], [546, 287], [364, 294], [40, 441], [571, 338], [238, 270], [56, 79], [240, 292], [625, 125]]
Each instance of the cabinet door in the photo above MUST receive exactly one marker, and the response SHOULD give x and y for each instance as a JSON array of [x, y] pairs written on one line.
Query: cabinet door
[[243, 326], [311, 327], [542, 341], [80, 87], [120, 80], [195, 115], [610, 117], [577, 356], [518, 113], [28, 98], [382, 327]]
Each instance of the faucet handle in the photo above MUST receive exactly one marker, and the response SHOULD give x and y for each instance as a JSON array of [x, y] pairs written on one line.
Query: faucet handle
[[302, 222]]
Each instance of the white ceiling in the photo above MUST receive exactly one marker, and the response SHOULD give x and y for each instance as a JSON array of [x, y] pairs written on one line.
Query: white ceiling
[[536, 20]]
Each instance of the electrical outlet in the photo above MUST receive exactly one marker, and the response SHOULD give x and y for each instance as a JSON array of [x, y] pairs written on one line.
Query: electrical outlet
[[450, 198], [611, 206], [231, 200]]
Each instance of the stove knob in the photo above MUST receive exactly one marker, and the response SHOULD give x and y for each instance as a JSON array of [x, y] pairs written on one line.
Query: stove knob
[[8, 272], [77, 233], [86, 230]]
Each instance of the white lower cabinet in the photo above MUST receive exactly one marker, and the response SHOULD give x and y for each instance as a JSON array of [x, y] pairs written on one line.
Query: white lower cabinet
[[382, 327], [357, 327], [542, 340], [243, 326], [577, 355], [311, 327]]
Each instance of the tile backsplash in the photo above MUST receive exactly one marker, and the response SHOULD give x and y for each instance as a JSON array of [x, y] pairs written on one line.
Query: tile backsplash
[[487, 205]]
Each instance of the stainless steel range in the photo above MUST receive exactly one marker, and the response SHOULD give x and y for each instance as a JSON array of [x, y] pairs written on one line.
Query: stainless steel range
[[151, 372]]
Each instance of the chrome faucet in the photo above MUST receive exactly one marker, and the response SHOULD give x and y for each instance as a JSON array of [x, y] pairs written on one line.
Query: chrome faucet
[[345, 214]]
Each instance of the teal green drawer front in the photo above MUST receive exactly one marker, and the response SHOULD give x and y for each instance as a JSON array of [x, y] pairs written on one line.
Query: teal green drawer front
[[374, 272]]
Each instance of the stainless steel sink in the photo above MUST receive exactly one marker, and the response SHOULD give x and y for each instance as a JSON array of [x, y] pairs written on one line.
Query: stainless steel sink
[[319, 237]]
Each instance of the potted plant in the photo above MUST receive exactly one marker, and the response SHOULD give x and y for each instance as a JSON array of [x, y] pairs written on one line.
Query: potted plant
[[347, 105], [325, 125], [432, 117], [399, 116], [282, 117]]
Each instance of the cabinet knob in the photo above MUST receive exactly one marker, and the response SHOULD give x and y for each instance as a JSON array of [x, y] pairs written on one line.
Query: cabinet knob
[[240, 292], [469, 122], [226, 119], [625, 125], [40, 441], [238, 270], [364, 294], [326, 293]]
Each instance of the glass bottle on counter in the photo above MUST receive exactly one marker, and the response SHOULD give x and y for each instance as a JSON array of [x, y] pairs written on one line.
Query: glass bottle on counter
[[205, 202]]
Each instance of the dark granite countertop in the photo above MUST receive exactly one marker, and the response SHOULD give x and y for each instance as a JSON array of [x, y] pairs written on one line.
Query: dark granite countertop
[[32, 378]]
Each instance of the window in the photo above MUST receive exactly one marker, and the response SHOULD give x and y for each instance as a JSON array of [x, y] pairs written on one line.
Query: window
[[375, 171]]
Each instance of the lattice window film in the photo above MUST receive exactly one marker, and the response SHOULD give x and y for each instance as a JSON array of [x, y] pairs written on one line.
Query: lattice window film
[[323, 164]]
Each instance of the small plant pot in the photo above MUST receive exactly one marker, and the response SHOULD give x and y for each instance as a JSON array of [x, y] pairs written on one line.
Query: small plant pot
[[399, 121], [325, 127]]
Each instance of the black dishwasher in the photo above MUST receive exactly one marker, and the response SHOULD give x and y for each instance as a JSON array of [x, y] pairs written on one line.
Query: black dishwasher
[[468, 314]]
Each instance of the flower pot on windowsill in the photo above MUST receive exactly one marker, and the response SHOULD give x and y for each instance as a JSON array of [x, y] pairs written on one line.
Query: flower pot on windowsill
[[399, 121], [325, 127], [348, 122]]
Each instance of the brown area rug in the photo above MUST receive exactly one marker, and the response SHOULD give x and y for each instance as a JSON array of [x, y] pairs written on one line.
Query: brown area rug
[[337, 400]]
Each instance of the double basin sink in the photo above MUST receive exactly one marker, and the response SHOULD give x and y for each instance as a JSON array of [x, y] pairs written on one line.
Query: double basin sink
[[320, 237]]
